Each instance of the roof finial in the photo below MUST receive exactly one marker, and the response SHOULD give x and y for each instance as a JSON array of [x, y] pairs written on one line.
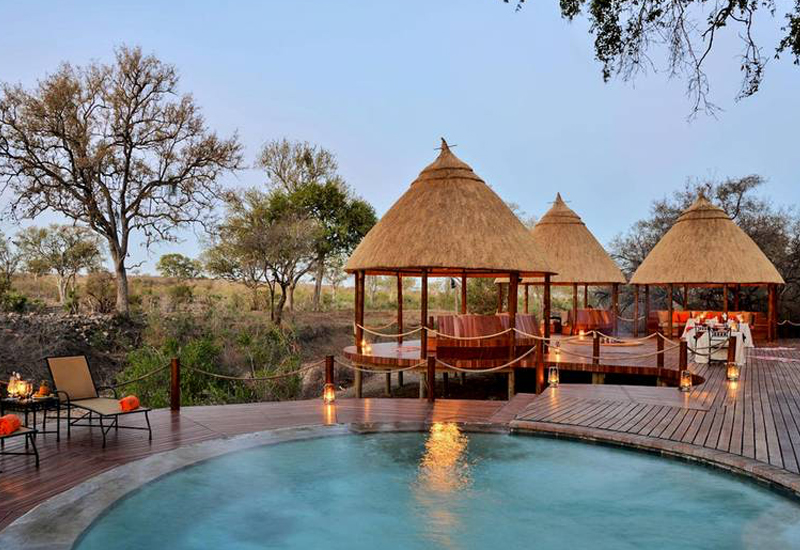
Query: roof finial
[[444, 147], [558, 198]]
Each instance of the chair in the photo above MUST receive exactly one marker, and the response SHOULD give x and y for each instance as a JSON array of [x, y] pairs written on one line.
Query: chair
[[29, 434], [76, 389], [718, 339]]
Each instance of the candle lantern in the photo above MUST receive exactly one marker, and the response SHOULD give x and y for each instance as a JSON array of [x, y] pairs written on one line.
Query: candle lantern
[[733, 371], [686, 381], [581, 334], [552, 376], [366, 348], [328, 393]]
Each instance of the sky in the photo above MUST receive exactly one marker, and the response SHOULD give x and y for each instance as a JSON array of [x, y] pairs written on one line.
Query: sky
[[378, 83]]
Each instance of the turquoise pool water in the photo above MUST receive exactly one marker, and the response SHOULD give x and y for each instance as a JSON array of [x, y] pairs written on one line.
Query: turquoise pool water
[[445, 490]]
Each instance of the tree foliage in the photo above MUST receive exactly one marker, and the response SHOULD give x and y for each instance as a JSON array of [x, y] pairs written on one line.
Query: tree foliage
[[63, 250], [629, 34], [112, 146], [179, 267]]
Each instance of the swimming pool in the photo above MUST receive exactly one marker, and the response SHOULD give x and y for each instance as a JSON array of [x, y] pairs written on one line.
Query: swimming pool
[[445, 489]]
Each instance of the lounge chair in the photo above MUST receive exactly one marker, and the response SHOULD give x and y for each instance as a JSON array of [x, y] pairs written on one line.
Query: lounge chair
[[76, 390], [29, 434]]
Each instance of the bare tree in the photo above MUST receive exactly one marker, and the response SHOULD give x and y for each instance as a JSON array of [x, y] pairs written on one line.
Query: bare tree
[[115, 147], [9, 261]]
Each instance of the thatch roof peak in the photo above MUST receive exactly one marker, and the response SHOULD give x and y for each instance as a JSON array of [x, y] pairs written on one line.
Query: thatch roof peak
[[560, 213], [705, 246], [448, 222]]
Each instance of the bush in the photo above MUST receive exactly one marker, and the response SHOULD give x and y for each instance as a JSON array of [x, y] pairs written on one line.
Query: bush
[[180, 294], [13, 301], [101, 292]]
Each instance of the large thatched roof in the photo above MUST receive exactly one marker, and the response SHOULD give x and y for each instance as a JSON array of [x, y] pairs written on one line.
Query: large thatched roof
[[449, 221], [573, 251], [706, 247]]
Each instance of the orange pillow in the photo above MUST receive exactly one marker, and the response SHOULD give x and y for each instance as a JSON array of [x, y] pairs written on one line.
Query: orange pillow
[[9, 424], [129, 403]]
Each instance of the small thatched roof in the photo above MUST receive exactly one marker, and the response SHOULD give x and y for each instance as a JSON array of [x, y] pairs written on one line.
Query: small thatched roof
[[449, 222], [575, 253], [705, 247]]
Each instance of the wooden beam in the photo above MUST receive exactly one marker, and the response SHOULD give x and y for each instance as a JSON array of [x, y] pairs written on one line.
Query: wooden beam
[[646, 307], [360, 297], [423, 315], [431, 379], [540, 351], [772, 313], [725, 298], [737, 292], [635, 311], [499, 297], [175, 385], [615, 305], [685, 297], [585, 296], [513, 288], [527, 298]]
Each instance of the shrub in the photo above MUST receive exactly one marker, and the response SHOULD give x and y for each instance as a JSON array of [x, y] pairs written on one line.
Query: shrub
[[101, 292]]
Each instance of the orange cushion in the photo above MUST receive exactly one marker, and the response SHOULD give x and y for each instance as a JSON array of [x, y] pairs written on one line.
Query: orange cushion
[[9, 424], [129, 403]]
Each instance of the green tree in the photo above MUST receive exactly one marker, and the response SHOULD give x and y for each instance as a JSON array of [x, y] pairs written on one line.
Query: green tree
[[629, 36], [178, 266], [114, 147], [307, 174], [63, 250]]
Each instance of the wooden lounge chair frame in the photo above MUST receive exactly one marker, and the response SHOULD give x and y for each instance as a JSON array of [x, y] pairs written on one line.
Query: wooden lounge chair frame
[[30, 439], [86, 397]]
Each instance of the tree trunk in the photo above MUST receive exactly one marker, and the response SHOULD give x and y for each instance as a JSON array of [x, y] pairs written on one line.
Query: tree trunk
[[315, 305], [290, 300], [121, 272], [62, 289], [285, 292]]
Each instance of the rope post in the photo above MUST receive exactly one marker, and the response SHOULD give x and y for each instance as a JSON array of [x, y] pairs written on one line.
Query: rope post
[[615, 306], [731, 349], [636, 311], [660, 350], [431, 379], [175, 385], [683, 355], [329, 376], [596, 349], [539, 366]]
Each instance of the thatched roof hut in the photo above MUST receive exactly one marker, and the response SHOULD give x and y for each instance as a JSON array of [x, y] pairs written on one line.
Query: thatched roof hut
[[449, 222], [573, 251], [705, 247]]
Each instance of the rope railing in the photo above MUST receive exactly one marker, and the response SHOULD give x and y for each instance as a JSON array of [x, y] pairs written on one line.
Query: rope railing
[[379, 371], [630, 319], [788, 322], [436, 333], [137, 379], [384, 335], [492, 369], [259, 378]]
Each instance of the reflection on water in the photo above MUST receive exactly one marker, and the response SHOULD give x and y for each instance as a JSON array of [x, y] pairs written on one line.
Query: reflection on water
[[444, 474]]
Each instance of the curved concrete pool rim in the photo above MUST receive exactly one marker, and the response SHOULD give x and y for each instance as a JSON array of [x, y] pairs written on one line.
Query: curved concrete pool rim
[[59, 522]]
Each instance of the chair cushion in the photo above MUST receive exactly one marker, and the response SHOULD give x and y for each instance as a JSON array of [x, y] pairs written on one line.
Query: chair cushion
[[104, 406], [72, 376]]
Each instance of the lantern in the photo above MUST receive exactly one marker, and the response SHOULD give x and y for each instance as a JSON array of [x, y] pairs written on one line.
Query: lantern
[[552, 376], [581, 334], [366, 348], [733, 371], [686, 380], [328, 393]]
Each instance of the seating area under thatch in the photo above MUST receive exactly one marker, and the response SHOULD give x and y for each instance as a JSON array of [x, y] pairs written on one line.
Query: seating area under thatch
[[475, 352], [658, 320], [587, 320]]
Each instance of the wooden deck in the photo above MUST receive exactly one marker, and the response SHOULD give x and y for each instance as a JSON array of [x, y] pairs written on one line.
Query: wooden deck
[[755, 424]]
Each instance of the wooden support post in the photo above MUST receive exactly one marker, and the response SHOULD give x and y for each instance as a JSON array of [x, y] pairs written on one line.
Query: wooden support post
[[329, 372], [660, 350], [464, 294], [596, 349], [431, 379], [540, 351], [646, 308], [445, 384], [400, 379], [585, 296], [358, 377], [683, 355], [737, 292], [499, 297], [512, 390], [527, 298], [732, 349], [635, 311], [387, 389], [572, 329], [772, 312], [513, 288], [615, 306], [685, 297], [399, 309], [725, 298], [670, 292], [546, 307], [175, 385], [423, 315]]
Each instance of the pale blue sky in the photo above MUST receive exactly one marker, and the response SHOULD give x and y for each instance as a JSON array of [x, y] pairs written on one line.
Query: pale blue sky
[[379, 82]]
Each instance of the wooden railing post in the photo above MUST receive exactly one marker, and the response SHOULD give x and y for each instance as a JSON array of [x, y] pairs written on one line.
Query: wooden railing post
[[596, 349], [175, 385], [732, 349], [683, 355], [540, 366], [329, 374], [660, 350], [431, 379]]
